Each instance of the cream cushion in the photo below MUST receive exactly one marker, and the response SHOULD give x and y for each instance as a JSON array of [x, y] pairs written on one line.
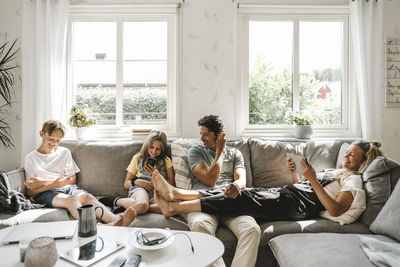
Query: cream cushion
[[179, 154]]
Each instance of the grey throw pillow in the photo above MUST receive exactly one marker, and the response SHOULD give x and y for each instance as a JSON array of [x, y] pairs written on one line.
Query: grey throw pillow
[[103, 165], [342, 152], [243, 147], [323, 154], [379, 180], [388, 220], [268, 163]]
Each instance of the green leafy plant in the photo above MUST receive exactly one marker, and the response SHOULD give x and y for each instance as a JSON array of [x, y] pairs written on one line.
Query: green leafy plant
[[270, 95], [299, 118], [7, 81], [79, 118]]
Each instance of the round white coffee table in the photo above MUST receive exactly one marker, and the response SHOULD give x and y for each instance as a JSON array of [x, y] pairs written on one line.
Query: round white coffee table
[[207, 249]]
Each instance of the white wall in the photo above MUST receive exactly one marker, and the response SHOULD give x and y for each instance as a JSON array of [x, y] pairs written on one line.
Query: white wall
[[208, 80], [10, 25], [208, 73], [391, 116]]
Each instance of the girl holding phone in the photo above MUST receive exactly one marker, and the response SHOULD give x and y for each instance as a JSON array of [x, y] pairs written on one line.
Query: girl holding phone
[[151, 156]]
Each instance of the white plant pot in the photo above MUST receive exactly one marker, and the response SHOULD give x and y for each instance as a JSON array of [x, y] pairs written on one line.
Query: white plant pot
[[80, 132], [302, 131]]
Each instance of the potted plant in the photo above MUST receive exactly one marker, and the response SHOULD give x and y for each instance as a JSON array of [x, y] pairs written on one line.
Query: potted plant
[[303, 121], [7, 81], [80, 121]]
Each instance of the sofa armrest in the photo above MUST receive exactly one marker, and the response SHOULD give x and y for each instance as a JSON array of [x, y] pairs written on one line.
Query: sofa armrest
[[17, 179]]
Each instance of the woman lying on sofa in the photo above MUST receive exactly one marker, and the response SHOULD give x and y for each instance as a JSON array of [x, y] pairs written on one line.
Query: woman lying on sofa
[[338, 195]]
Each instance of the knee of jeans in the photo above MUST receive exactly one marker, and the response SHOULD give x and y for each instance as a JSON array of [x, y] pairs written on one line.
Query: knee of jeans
[[203, 226], [251, 229]]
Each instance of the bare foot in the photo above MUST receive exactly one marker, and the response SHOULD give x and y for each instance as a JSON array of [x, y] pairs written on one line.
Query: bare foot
[[117, 222], [128, 216], [163, 205], [165, 189]]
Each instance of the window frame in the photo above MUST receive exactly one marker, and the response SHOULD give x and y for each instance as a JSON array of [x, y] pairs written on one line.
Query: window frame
[[245, 13], [121, 14]]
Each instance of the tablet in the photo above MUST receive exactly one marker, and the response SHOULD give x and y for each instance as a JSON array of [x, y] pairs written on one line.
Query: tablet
[[91, 252], [296, 159]]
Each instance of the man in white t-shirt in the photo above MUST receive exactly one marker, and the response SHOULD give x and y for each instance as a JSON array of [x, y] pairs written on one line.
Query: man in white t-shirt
[[51, 177]]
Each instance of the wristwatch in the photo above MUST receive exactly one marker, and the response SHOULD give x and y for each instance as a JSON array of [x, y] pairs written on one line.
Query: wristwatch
[[133, 180]]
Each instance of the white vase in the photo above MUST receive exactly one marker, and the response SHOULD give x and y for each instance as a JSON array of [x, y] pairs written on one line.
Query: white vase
[[80, 132], [302, 131]]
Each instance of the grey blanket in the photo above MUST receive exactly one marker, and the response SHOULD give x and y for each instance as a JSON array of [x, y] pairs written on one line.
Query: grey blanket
[[11, 200], [381, 253]]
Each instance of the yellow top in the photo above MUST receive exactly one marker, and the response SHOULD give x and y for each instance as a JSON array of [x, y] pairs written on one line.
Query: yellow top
[[136, 159]]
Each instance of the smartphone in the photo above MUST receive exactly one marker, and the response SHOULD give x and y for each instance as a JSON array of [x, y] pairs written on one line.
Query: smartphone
[[306, 160], [118, 262], [151, 162]]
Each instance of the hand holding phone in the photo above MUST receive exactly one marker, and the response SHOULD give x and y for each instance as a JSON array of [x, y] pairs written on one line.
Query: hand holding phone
[[151, 162]]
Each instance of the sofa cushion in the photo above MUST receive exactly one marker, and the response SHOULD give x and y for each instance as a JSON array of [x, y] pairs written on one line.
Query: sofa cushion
[[179, 155], [103, 165], [388, 220], [323, 154], [243, 147], [154, 220], [16, 178], [342, 152], [318, 225], [268, 163], [322, 249], [379, 180]]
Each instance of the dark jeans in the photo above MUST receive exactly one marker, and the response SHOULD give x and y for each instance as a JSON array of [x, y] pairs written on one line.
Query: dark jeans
[[291, 202]]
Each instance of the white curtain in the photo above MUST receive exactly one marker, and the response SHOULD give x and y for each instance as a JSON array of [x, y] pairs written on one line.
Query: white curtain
[[44, 33], [367, 35]]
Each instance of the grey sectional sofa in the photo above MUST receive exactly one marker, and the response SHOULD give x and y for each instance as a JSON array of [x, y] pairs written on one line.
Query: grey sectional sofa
[[103, 167]]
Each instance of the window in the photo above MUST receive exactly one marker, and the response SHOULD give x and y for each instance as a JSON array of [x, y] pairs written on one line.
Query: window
[[294, 60], [123, 67]]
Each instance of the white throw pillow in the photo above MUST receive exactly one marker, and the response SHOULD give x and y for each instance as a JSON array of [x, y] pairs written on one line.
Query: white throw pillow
[[179, 153]]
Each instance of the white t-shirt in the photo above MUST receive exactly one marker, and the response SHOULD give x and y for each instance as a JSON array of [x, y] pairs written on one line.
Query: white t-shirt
[[50, 166], [354, 184]]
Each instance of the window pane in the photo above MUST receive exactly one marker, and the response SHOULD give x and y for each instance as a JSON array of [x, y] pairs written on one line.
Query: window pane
[[321, 71], [145, 72], [270, 71], [94, 57]]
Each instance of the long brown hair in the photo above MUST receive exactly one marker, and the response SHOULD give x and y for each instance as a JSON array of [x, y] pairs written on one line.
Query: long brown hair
[[150, 139]]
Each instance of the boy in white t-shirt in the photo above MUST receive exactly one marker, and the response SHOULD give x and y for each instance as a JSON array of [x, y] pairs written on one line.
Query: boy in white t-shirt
[[51, 177]]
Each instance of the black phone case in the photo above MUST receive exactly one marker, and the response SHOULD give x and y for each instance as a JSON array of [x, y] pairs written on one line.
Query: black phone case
[[151, 162]]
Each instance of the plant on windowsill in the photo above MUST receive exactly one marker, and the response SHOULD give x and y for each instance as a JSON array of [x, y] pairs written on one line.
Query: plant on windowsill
[[80, 121], [7, 82], [303, 122]]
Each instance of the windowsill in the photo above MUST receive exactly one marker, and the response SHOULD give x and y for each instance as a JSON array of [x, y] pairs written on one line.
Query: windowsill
[[112, 134]]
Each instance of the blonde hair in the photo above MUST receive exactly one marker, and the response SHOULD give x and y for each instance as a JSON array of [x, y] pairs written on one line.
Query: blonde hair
[[150, 139], [51, 126], [370, 151]]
